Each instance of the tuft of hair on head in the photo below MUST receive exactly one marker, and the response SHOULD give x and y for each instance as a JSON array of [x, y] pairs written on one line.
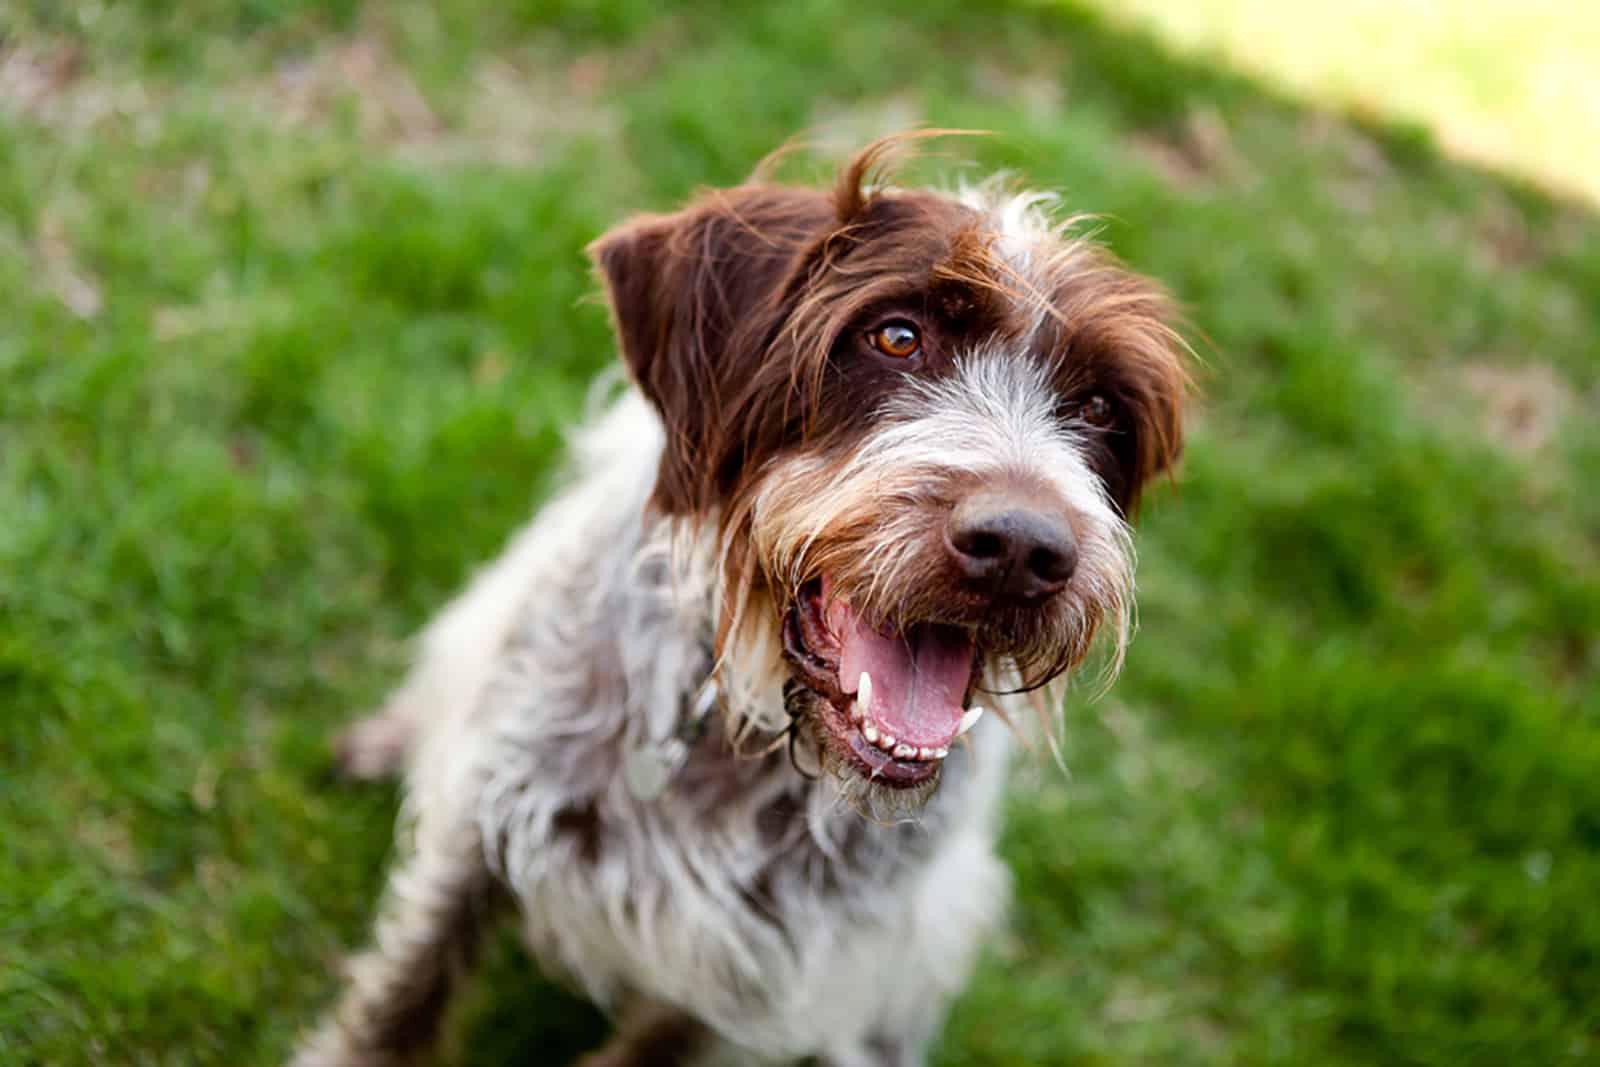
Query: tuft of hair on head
[[867, 172], [865, 175]]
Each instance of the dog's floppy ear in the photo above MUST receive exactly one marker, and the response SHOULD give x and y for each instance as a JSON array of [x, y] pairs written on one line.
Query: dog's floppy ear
[[1157, 442], [1150, 383], [1126, 330], [697, 298]]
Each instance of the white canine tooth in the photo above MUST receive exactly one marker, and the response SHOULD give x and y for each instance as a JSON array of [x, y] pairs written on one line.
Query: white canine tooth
[[856, 714], [940, 753], [870, 732], [886, 742], [969, 720], [925, 753], [864, 690], [904, 751]]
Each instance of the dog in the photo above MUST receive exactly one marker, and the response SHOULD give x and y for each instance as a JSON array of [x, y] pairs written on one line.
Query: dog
[[714, 725]]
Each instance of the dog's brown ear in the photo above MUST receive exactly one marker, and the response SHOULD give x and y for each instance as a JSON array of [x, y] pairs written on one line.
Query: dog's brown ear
[[631, 260], [1145, 367], [697, 298], [1155, 390], [1127, 330], [1159, 437]]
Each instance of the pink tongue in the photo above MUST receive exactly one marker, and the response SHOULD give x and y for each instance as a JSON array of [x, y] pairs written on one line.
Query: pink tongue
[[918, 678]]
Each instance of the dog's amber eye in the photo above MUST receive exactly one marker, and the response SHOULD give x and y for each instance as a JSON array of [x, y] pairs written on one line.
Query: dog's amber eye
[[1096, 410], [897, 339]]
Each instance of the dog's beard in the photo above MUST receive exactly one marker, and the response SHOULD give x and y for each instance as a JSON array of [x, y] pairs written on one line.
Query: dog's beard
[[814, 754], [828, 729], [1008, 650]]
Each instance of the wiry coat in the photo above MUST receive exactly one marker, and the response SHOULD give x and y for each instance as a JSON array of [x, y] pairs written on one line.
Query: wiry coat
[[775, 902]]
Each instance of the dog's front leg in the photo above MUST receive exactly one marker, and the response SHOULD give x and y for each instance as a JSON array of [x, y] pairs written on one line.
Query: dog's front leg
[[655, 1036], [437, 905]]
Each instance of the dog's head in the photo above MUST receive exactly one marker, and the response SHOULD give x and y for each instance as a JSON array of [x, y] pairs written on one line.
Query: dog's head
[[916, 422]]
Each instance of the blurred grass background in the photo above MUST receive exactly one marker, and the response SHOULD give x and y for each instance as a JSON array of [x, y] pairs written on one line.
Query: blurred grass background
[[295, 311], [1509, 84]]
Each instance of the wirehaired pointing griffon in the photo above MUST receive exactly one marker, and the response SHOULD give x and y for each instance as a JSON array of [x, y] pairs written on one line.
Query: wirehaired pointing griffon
[[713, 725]]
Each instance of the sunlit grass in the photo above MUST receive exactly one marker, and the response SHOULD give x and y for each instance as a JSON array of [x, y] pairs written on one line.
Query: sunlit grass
[[1515, 85]]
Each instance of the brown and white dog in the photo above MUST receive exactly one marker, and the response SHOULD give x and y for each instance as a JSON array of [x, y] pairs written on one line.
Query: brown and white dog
[[872, 476]]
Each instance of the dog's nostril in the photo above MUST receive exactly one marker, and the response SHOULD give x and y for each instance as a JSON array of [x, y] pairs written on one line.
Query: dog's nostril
[[979, 544], [1054, 564], [1014, 552]]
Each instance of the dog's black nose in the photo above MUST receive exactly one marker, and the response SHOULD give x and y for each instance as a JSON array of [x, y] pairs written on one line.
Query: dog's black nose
[[1013, 552]]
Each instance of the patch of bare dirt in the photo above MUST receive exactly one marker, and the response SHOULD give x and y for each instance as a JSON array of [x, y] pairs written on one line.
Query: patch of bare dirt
[[72, 284], [513, 109], [517, 107], [1504, 234], [33, 79], [52, 84], [1199, 155], [1039, 96], [109, 839], [361, 73], [1522, 406], [1360, 152], [511, 112], [1359, 183]]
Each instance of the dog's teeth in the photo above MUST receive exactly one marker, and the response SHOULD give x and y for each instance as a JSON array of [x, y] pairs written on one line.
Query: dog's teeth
[[941, 752], [856, 714], [925, 753], [887, 742], [969, 720], [864, 690], [870, 732], [904, 751]]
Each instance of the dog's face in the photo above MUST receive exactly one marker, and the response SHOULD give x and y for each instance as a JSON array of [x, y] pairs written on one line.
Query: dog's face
[[917, 421]]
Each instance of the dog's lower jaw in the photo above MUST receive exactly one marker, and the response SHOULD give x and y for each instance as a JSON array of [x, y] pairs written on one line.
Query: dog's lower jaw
[[832, 726], [845, 765], [894, 733]]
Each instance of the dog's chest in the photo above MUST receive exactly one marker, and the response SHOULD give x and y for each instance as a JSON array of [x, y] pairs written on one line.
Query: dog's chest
[[737, 849], [744, 892]]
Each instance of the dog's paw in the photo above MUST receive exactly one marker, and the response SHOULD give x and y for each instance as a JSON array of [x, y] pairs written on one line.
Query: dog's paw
[[373, 749]]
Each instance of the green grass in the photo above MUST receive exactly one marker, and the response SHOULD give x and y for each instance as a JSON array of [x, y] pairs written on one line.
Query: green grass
[[282, 362]]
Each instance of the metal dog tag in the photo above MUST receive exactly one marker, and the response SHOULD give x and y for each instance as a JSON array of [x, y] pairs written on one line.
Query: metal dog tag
[[648, 771]]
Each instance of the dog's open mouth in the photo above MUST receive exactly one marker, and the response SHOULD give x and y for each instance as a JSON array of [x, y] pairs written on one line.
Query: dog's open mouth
[[893, 702]]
